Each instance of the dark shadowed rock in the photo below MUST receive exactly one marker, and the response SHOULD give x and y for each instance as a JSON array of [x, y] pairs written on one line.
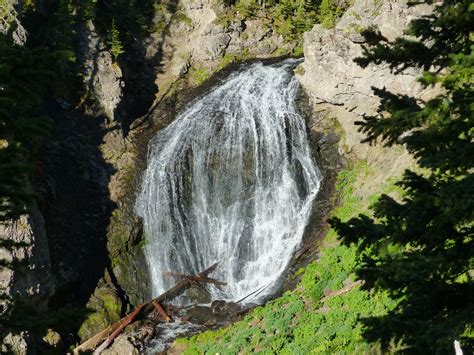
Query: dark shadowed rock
[[199, 314], [198, 294], [36, 283]]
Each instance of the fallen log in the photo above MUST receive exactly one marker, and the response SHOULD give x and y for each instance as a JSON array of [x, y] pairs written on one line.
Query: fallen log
[[195, 278], [343, 290], [129, 319], [256, 292], [179, 288], [161, 311]]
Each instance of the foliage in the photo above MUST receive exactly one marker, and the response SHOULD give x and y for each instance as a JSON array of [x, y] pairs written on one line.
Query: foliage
[[115, 44], [50, 24], [53, 25], [289, 18], [26, 76], [329, 12], [198, 75], [132, 18], [421, 250], [86, 10]]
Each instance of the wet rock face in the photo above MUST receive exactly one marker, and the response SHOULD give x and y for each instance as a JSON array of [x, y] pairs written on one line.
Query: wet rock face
[[336, 84], [198, 293], [219, 313]]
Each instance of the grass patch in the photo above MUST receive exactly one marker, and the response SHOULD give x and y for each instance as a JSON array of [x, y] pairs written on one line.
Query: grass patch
[[197, 75]]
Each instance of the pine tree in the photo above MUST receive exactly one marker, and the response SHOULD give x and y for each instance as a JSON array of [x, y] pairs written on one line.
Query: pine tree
[[421, 249], [26, 77], [328, 13], [116, 47], [23, 74]]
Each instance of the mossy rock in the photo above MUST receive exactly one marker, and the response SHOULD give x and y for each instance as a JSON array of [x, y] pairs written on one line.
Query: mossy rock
[[131, 272], [124, 232], [106, 307]]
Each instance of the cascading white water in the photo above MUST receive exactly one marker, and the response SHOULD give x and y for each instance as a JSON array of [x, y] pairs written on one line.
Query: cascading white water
[[232, 179]]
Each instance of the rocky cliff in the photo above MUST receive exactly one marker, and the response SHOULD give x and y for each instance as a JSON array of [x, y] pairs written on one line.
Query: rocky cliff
[[35, 281], [339, 88], [203, 36]]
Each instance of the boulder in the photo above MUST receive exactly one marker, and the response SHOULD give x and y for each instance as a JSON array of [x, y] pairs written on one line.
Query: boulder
[[105, 306], [198, 294], [121, 346], [224, 308], [199, 314]]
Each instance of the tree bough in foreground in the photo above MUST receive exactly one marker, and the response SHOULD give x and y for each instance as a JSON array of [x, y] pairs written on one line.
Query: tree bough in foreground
[[421, 249]]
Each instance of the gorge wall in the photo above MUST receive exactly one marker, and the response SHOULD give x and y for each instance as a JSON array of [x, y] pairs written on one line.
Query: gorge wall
[[340, 89]]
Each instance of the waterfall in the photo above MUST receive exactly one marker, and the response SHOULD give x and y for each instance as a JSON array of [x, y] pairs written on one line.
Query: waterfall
[[232, 179]]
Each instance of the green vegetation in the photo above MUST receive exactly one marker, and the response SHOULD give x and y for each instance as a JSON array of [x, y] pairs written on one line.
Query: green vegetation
[[133, 18], [26, 77], [420, 250], [230, 58], [299, 70], [114, 42], [288, 18], [197, 75], [329, 12], [227, 59]]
